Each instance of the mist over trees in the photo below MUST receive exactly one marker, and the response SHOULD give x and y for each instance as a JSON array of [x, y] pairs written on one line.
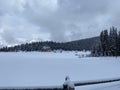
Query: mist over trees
[[109, 44]]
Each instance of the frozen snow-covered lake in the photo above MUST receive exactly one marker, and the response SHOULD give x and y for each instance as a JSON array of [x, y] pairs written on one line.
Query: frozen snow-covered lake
[[49, 69]]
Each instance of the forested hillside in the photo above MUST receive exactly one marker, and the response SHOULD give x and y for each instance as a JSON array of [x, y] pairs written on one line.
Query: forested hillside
[[84, 44]]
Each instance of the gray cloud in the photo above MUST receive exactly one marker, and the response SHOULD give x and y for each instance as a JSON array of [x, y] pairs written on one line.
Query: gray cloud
[[58, 20]]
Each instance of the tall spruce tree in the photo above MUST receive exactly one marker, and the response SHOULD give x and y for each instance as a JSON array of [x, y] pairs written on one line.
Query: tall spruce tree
[[118, 43], [113, 41], [104, 39], [102, 43], [106, 42]]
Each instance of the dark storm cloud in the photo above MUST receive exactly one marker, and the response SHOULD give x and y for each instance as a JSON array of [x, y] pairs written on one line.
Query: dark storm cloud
[[58, 20]]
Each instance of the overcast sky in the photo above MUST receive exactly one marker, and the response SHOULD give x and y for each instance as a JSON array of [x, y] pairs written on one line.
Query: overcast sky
[[58, 20]]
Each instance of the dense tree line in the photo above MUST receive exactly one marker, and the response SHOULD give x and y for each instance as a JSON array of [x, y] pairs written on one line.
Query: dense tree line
[[109, 44], [85, 44]]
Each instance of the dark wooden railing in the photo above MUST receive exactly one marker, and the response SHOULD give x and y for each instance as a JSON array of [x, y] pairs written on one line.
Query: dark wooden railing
[[65, 86]]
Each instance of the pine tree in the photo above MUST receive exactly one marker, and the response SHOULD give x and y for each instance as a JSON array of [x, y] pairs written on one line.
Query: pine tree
[[102, 43], [118, 43], [106, 42], [113, 41]]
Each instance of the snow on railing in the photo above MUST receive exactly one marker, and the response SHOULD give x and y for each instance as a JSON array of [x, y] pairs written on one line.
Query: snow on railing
[[67, 85]]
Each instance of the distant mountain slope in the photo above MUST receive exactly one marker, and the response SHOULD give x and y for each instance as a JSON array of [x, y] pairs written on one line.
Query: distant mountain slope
[[84, 44]]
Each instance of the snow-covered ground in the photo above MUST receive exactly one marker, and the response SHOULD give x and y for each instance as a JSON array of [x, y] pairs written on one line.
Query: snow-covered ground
[[49, 69]]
